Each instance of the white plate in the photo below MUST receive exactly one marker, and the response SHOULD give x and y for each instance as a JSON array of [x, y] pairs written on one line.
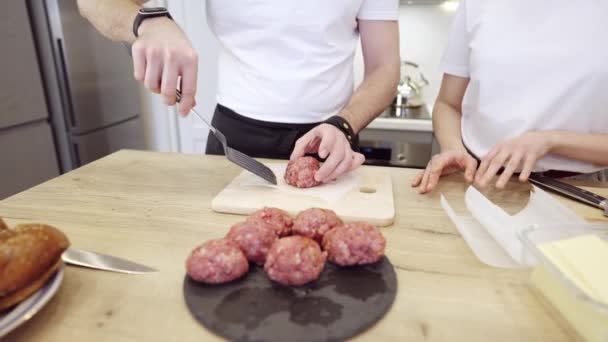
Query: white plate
[[29, 307]]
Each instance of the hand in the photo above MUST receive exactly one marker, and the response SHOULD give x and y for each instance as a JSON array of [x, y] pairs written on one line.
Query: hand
[[329, 142], [162, 54], [513, 154], [443, 164]]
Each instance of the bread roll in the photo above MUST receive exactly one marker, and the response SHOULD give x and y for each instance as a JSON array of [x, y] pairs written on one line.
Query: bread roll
[[22, 294], [27, 253]]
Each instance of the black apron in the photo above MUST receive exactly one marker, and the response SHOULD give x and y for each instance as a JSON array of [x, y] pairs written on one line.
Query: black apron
[[259, 139]]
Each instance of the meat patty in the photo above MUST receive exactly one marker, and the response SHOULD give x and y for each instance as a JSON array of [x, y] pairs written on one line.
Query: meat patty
[[216, 262], [254, 240], [301, 172], [315, 222], [294, 260], [276, 219], [355, 243]]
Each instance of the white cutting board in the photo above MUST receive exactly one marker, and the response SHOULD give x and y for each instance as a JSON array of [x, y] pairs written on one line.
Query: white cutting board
[[364, 194]]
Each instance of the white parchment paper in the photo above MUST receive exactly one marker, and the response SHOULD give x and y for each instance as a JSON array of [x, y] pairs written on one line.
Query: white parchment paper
[[493, 235]]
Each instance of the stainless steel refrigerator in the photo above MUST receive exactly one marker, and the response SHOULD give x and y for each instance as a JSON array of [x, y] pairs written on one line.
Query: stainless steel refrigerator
[[68, 96]]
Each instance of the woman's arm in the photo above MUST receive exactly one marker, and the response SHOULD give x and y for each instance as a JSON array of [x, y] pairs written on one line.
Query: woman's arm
[[587, 147], [446, 125], [525, 150], [447, 113]]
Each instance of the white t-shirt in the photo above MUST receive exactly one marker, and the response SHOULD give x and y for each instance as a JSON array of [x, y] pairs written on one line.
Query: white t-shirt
[[533, 65], [289, 60]]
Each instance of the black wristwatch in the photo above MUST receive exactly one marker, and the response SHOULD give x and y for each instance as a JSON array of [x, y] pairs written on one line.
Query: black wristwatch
[[345, 127], [151, 12]]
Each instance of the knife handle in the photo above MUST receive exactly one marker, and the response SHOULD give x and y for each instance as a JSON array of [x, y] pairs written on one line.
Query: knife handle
[[568, 190]]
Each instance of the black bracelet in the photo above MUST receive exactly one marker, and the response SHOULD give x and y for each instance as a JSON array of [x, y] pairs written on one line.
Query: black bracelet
[[147, 13], [344, 127]]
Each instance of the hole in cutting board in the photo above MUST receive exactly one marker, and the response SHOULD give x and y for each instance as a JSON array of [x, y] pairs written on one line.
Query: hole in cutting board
[[367, 189]]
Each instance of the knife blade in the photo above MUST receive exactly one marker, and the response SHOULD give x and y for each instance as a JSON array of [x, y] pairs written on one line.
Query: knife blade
[[570, 191], [103, 262]]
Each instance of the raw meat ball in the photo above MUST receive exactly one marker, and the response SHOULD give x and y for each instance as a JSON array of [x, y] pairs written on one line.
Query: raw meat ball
[[217, 262], [276, 219], [315, 222], [254, 240], [355, 243], [301, 172], [294, 260]]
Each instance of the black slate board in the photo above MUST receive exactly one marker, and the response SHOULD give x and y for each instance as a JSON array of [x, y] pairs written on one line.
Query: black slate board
[[343, 302]]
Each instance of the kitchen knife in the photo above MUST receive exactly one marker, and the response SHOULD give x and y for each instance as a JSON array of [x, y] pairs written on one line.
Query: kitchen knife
[[570, 191], [103, 262]]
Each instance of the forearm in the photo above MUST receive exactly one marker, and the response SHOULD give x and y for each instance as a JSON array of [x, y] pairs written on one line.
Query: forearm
[[373, 96], [446, 127], [587, 147], [113, 18]]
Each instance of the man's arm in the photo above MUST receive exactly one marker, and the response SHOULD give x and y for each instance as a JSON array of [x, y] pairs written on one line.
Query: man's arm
[[112, 18], [380, 45], [162, 53]]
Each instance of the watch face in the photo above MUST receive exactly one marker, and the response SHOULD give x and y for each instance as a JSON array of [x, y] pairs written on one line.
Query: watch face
[[153, 10]]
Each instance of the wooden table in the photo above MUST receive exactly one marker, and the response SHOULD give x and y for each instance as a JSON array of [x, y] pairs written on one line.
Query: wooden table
[[154, 208]]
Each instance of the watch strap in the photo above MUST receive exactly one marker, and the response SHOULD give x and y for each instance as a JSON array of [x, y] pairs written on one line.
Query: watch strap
[[345, 127], [144, 14]]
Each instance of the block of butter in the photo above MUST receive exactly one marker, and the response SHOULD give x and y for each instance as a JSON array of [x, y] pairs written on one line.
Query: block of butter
[[583, 261]]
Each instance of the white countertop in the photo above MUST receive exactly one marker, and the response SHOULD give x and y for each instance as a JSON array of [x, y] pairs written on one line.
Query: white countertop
[[401, 124], [396, 124]]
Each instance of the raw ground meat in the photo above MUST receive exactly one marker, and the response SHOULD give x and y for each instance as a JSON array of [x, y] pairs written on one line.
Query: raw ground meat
[[294, 260], [355, 243], [276, 219], [254, 240], [315, 222], [217, 262], [301, 172]]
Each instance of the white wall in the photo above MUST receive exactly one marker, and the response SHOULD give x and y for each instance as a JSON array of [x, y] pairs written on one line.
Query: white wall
[[423, 30]]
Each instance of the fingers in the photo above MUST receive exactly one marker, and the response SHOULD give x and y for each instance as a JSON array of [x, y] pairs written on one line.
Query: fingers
[[492, 167], [336, 156], [300, 149], [485, 162], [169, 83], [189, 73], [417, 179], [344, 165], [512, 165], [139, 62], [438, 165], [328, 139], [158, 63], [526, 170], [470, 165], [358, 160], [425, 179], [154, 70]]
